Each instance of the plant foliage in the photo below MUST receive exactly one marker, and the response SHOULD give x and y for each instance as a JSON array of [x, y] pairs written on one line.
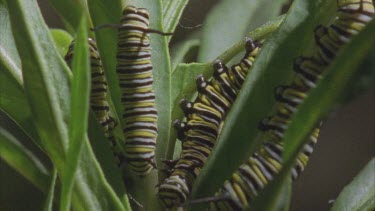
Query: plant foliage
[[50, 103]]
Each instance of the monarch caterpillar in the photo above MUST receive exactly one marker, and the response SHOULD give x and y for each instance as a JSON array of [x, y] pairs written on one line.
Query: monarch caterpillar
[[260, 168], [204, 117], [134, 71], [98, 94]]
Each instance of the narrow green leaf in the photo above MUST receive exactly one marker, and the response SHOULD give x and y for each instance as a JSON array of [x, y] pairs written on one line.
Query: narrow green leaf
[[70, 12], [219, 30], [92, 191], [62, 40], [256, 97], [14, 103], [48, 206], [172, 11], [104, 154], [9, 57], [23, 160], [285, 196], [330, 90], [79, 112], [184, 52], [12, 99], [359, 194], [101, 13], [46, 79]]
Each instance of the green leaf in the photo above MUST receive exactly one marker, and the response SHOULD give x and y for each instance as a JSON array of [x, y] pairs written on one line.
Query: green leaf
[[329, 91], [256, 97], [100, 146], [9, 57], [46, 79], [79, 111], [103, 13], [62, 40], [23, 160], [184, 52], [172, 11], [48, 206], [95, 191], [92, 190], [12, 101], [219, 32], [285, 196], [359, 194], [70, 12]]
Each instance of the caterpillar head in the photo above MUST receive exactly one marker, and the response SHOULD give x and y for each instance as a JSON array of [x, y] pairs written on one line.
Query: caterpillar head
[[173, 191]]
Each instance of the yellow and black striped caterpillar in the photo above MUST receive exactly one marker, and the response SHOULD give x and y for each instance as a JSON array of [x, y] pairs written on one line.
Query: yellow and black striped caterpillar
[[134, 71], [255, 174], [204, 117], [98, 94]]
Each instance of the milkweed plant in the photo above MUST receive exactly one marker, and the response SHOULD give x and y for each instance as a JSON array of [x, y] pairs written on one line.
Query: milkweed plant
[[50, 136]]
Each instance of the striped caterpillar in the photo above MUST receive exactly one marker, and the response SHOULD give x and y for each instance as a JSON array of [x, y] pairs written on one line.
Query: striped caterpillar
[[134, 70], [252, 176], [98, 94], [204, 117]]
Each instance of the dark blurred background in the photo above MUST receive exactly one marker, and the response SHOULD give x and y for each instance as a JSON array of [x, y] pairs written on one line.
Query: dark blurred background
[[346, 143]]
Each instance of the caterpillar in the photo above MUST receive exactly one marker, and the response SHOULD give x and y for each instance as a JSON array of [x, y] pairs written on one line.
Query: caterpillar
[[204, 117], [98, 93], [252, 176], [134, 71]]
